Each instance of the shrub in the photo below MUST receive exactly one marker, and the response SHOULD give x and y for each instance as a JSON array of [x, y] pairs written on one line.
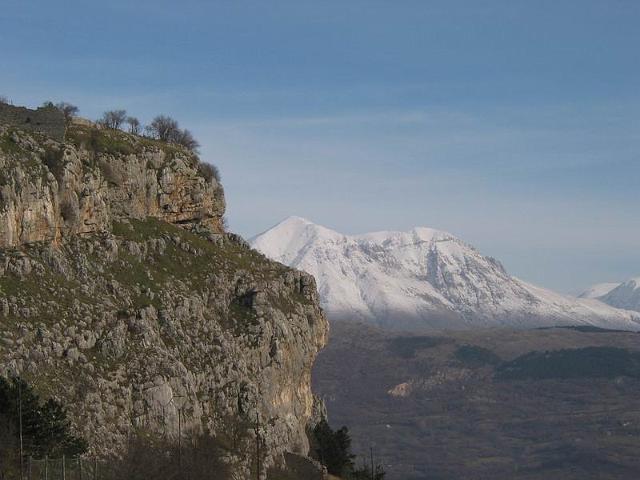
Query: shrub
[[69, 211], [208, 171], [108, 172], [53, 159]]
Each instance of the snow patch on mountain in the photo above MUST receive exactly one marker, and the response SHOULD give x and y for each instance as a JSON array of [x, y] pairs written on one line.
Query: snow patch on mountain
[[423, 278]]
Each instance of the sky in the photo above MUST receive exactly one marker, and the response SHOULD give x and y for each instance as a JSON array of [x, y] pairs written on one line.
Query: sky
[[512, 124]]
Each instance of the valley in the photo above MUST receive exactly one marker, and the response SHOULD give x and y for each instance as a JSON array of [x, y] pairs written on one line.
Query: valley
[[473, 404]]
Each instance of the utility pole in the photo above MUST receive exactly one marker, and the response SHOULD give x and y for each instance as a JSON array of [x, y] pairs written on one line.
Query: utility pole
[[180, 437], [180, 405], [371, 452], [164, 424], [64, 468], [257, 446], [20, 427], [164, 417]]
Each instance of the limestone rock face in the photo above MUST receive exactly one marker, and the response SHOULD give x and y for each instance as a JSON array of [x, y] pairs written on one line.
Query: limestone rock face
[[110, 305], [50, 190]]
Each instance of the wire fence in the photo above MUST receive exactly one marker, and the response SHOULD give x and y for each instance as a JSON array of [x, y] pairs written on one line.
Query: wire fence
[[64, 468]]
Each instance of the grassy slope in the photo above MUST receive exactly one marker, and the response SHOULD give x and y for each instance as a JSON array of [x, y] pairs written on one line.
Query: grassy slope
[[187, 266]]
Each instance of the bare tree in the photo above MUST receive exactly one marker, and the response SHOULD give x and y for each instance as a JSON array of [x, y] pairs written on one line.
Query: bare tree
[[168, 130], [68, 110], [134, 125], [186, 139], [163, 128], [4, 99], [113, 118]]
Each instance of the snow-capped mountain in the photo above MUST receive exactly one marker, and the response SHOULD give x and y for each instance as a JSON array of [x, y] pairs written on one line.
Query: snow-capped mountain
[[423, 278], [598, 290], [626, 295]]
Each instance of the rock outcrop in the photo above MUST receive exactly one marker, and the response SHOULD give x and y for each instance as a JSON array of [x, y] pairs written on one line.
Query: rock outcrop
[[122, 296], [50, 190]]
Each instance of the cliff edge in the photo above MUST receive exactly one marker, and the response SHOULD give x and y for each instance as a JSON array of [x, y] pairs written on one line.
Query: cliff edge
[[122, 295], [50, 190]]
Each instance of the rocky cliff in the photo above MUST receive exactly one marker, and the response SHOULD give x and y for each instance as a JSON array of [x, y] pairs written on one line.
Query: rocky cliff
[[50, 190], [122, 296]]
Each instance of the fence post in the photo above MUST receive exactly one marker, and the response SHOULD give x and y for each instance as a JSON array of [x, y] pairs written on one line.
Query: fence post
[[64, 468], [257, 445]]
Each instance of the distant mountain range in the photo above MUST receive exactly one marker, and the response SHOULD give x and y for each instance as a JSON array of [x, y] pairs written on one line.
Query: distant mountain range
[[424, 279], [620, 295]]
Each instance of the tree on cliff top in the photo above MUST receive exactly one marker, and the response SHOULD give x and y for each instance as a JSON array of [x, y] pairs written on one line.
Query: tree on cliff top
[[113, 119], [187, 140], [167, 129], [134, 125], [163, 128], [68, 110]]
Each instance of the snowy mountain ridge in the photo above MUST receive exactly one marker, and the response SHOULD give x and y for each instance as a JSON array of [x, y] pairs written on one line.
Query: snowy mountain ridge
[[421, 279], [598, 290], [626, 295]]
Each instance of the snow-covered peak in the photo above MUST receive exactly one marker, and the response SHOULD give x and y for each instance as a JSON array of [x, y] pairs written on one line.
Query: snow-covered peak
[[625, 295], [598, 290], [417, 234], [288, 238], [422, 278]]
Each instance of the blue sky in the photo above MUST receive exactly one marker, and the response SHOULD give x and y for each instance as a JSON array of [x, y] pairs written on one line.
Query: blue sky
[[513, 124]]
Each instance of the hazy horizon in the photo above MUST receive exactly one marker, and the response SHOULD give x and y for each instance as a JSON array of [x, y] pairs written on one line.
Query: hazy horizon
[[511, 125]]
